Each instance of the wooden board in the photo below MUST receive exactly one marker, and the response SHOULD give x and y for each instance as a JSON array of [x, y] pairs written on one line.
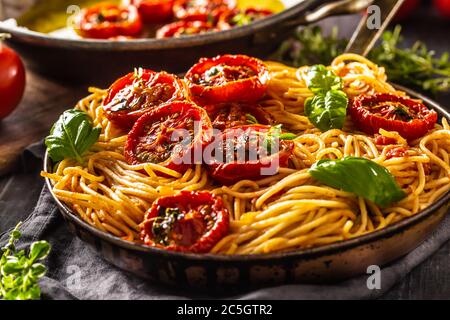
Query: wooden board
[[43, 102]]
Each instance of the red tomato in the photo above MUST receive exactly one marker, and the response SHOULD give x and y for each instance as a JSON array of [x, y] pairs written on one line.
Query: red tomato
[[154, 11], [12, 80], [224, 116], [187, 222], [136, 93], [157, 138], [227, 78], [396, 152], [406, 9], [104, 21], [443, 7], [240, 153], [238, 18], [384, 141], [183, 28], [410, 118], [202, 10]]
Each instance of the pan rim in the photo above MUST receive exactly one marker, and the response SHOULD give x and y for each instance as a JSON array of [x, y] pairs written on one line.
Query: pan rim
[[248, 258], [22, 34]]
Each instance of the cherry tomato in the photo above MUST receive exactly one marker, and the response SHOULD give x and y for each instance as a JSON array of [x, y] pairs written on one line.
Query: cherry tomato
[[242, 153], [136, 93], [153, 11], [227, 78], [410, 118], [157, 137], [406, 9], [187, 222], [12, 80], [183, 28], [228, 115], [238, 18], [443, 7], [105, 20], [202, 10]]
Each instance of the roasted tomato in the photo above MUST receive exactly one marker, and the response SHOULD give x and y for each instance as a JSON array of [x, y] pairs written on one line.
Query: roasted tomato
[[228, 115], [136, 93], [188, 222], [238, 18], [410, 118], [153, 11], [169, 135], [105, 20], [202, 10], [246, 152], [183, 28], [227, 78], [12, 80]]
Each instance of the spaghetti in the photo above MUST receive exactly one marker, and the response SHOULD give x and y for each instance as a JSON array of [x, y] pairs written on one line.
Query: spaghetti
[[286, 211]]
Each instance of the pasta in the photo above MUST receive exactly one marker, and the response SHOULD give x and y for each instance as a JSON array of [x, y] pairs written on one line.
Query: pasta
[[286, 211]]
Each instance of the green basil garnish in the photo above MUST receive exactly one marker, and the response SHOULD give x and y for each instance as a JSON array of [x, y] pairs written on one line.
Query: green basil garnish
[[360, 176], [71, 136], [328, 107]]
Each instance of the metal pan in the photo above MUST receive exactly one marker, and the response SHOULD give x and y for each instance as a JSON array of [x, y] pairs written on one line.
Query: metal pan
[[100, 62], [220, 273]]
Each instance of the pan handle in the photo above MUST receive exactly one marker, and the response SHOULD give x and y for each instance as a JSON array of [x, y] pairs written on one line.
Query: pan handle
[[329, 9]]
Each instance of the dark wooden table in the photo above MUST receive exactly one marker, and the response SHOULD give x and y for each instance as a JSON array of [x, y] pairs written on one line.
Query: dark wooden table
[[45, 100]]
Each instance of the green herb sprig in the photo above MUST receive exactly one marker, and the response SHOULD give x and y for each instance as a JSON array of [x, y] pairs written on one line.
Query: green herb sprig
[[274, 135], [416, 66], [328, 107], [19, 271]]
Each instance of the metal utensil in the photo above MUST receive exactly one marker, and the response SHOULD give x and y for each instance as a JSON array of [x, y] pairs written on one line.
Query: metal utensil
[[364, 37]]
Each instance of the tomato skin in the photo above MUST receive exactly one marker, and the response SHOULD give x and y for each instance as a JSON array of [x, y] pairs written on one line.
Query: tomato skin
[[184, 200], [406, 9], [177, 29], [88, 24], [186, 110], [384, 141], [247, 90], [224, 116], [154, 11], [12, 80], [370, 123], [201, 10], [126, 118], [230, 172], [225, 19], [443, 7]]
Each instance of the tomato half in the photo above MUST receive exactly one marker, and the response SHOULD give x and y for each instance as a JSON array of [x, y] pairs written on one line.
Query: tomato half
[[183, 28], [169, 136], [238, 18], [187, 222], [12, 80], [136, 93], [228, 115], [154, 11], [105, 20], [227, 78], [410, 118], [202, 10], [241, 153]]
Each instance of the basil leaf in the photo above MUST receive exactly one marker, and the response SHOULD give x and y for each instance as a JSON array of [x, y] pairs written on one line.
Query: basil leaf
[[361, 176], [327, 111], [71, 136], [320, 80]]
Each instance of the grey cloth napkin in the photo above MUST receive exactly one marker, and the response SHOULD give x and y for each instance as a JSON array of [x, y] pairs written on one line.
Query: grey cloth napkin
[[77, 272]]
